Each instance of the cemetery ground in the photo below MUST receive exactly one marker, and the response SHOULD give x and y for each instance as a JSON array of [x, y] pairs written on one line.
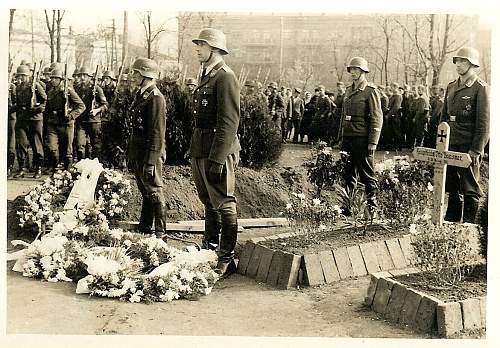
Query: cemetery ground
[[237, 306]]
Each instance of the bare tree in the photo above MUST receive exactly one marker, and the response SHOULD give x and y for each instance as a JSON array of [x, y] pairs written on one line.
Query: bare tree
[[151, 34], [184, 20], [11, 21], [59, 19], [51, 27]]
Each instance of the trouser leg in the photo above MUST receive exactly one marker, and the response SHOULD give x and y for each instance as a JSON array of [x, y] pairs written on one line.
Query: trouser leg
[[95, 131], [22, 144], [67, 135], [81, 141]]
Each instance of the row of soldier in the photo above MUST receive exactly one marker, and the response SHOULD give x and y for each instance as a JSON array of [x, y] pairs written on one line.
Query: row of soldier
[[58, 116]]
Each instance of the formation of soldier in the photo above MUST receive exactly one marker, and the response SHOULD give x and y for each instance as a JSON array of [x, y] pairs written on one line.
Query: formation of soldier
[[51, 113]]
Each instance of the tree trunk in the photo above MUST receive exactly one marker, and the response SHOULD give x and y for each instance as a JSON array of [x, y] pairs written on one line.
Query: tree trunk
[[125, 37], [148, 34], [58, 37], [51, 30]]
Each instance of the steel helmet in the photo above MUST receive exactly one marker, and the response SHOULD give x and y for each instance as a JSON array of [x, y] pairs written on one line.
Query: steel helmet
[[214, 38], [46, 70], [146, 67], [56, 65], [358, 62], [23, 70], [76, 72], [469, 53], [85, 70], [191, 81], [273, 84], [109, 74], [250, 83], [56, 73]]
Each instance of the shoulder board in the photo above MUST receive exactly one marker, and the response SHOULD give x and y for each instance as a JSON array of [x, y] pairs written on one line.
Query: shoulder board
[[372, 85], [225, 68], [156, 92], [482, 82]]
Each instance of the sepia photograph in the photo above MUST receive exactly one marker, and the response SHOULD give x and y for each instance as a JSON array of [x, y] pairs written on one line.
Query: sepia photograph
[[288, 173]]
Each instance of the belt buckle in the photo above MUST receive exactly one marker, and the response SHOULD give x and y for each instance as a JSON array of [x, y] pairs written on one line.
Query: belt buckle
[[348, 118], [453, 118]]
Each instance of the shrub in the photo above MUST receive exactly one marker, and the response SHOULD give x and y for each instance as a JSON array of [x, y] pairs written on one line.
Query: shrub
[[325, 169], [483, 223], [260, 139], [405, 191], [180, 123], [446, 252]]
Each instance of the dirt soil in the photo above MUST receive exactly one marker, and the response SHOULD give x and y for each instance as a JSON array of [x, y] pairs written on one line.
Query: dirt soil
[[474, 285], [332, 239]]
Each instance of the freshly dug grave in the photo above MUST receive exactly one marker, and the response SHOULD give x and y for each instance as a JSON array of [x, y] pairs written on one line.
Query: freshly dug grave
[[332, 239], [474, 285], [262, 193]]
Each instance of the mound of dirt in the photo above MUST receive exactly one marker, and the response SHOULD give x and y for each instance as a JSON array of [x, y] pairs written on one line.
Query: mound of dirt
[[262, 193]]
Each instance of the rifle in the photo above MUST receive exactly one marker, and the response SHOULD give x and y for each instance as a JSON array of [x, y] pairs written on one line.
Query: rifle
[[33, 87], [94, 89], [115, 92], [66, 99]]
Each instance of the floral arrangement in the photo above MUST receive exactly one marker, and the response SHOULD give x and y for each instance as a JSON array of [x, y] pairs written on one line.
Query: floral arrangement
[[83, 247], [308, 214], [46, 200]]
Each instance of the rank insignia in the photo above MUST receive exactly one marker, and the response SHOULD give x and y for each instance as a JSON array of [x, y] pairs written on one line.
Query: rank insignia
[[465, 97]]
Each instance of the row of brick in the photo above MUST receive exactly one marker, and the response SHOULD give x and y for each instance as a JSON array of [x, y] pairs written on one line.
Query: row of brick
[[257, 261], [399, 303]]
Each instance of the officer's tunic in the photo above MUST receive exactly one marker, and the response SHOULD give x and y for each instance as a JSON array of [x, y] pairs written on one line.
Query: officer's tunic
[[467, 110], [146, 146], [29, 123], [361, 125]]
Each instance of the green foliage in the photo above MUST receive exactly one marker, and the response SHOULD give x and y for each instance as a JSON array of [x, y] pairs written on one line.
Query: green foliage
[[405, 195], [179, 109], [354, 205], [483, 223], [309, 215], [446, 251], [260, 139], [325, 170]]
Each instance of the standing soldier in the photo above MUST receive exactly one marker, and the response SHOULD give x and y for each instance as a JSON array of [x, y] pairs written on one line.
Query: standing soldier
[[467, 110], [146, 147], [108, 85], [61, 120], [393, 118], [191, 84], [89, 122], [215, 146], [276, 104], [29, 124], [323, 109], [361, 125], [11, 127], [421, 120], [297, 113]]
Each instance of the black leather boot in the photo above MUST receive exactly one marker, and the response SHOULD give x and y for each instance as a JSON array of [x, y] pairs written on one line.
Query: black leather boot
[[160, 219], [471, 205], [21, 173], [229, 234], [147, 214], [454, 209], [212, 229]]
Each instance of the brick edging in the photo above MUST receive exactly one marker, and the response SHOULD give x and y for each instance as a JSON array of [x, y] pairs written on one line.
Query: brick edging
[[265, 264], [400, 303]]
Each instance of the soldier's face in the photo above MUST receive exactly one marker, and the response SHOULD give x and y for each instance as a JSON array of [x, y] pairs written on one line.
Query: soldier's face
[[355, 73], [462, 65], [135, 78], [55, 81], [106, 80], [203, 51], [22, 78], [191, 88], [84, 78]]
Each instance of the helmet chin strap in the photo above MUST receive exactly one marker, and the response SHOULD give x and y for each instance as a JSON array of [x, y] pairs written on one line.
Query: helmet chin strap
[[210, 56]]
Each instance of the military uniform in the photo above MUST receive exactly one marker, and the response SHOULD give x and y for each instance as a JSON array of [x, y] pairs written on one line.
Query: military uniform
[[393, 122], [323, 109], [276, 106], [421, 120], [361, 125], [29, 124], [11, 129], [297, 113], [214, 140], [89, 125], [60, 127], [147, 147], [436, 110], [337, 115], [467, 110]]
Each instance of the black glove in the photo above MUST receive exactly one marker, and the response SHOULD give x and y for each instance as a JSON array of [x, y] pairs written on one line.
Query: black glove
[[215, 172]]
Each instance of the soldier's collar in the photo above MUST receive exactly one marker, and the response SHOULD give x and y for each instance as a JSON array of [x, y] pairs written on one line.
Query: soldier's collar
[[214, 66], [147, 88], [470, 81], [361, 87]]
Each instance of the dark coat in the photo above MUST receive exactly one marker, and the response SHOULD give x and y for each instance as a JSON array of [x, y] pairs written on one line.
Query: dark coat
[[23, 108], [85, 92], [54, 108], [217, 115]]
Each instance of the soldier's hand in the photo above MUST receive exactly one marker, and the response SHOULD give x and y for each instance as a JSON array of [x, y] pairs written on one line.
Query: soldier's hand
[[148, 171], [95, 111], [475, 157], [215, 172]]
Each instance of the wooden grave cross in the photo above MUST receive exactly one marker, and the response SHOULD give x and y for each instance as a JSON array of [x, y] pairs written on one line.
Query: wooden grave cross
[[440, 157]]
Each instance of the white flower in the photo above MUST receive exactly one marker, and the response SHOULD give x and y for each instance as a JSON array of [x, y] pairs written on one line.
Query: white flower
[[316, 201], [430, 187], [413, 229], [322, 227], [101, 265], [289, 206], [301, 196], [135, 298], [171, 295], [160, 282]]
